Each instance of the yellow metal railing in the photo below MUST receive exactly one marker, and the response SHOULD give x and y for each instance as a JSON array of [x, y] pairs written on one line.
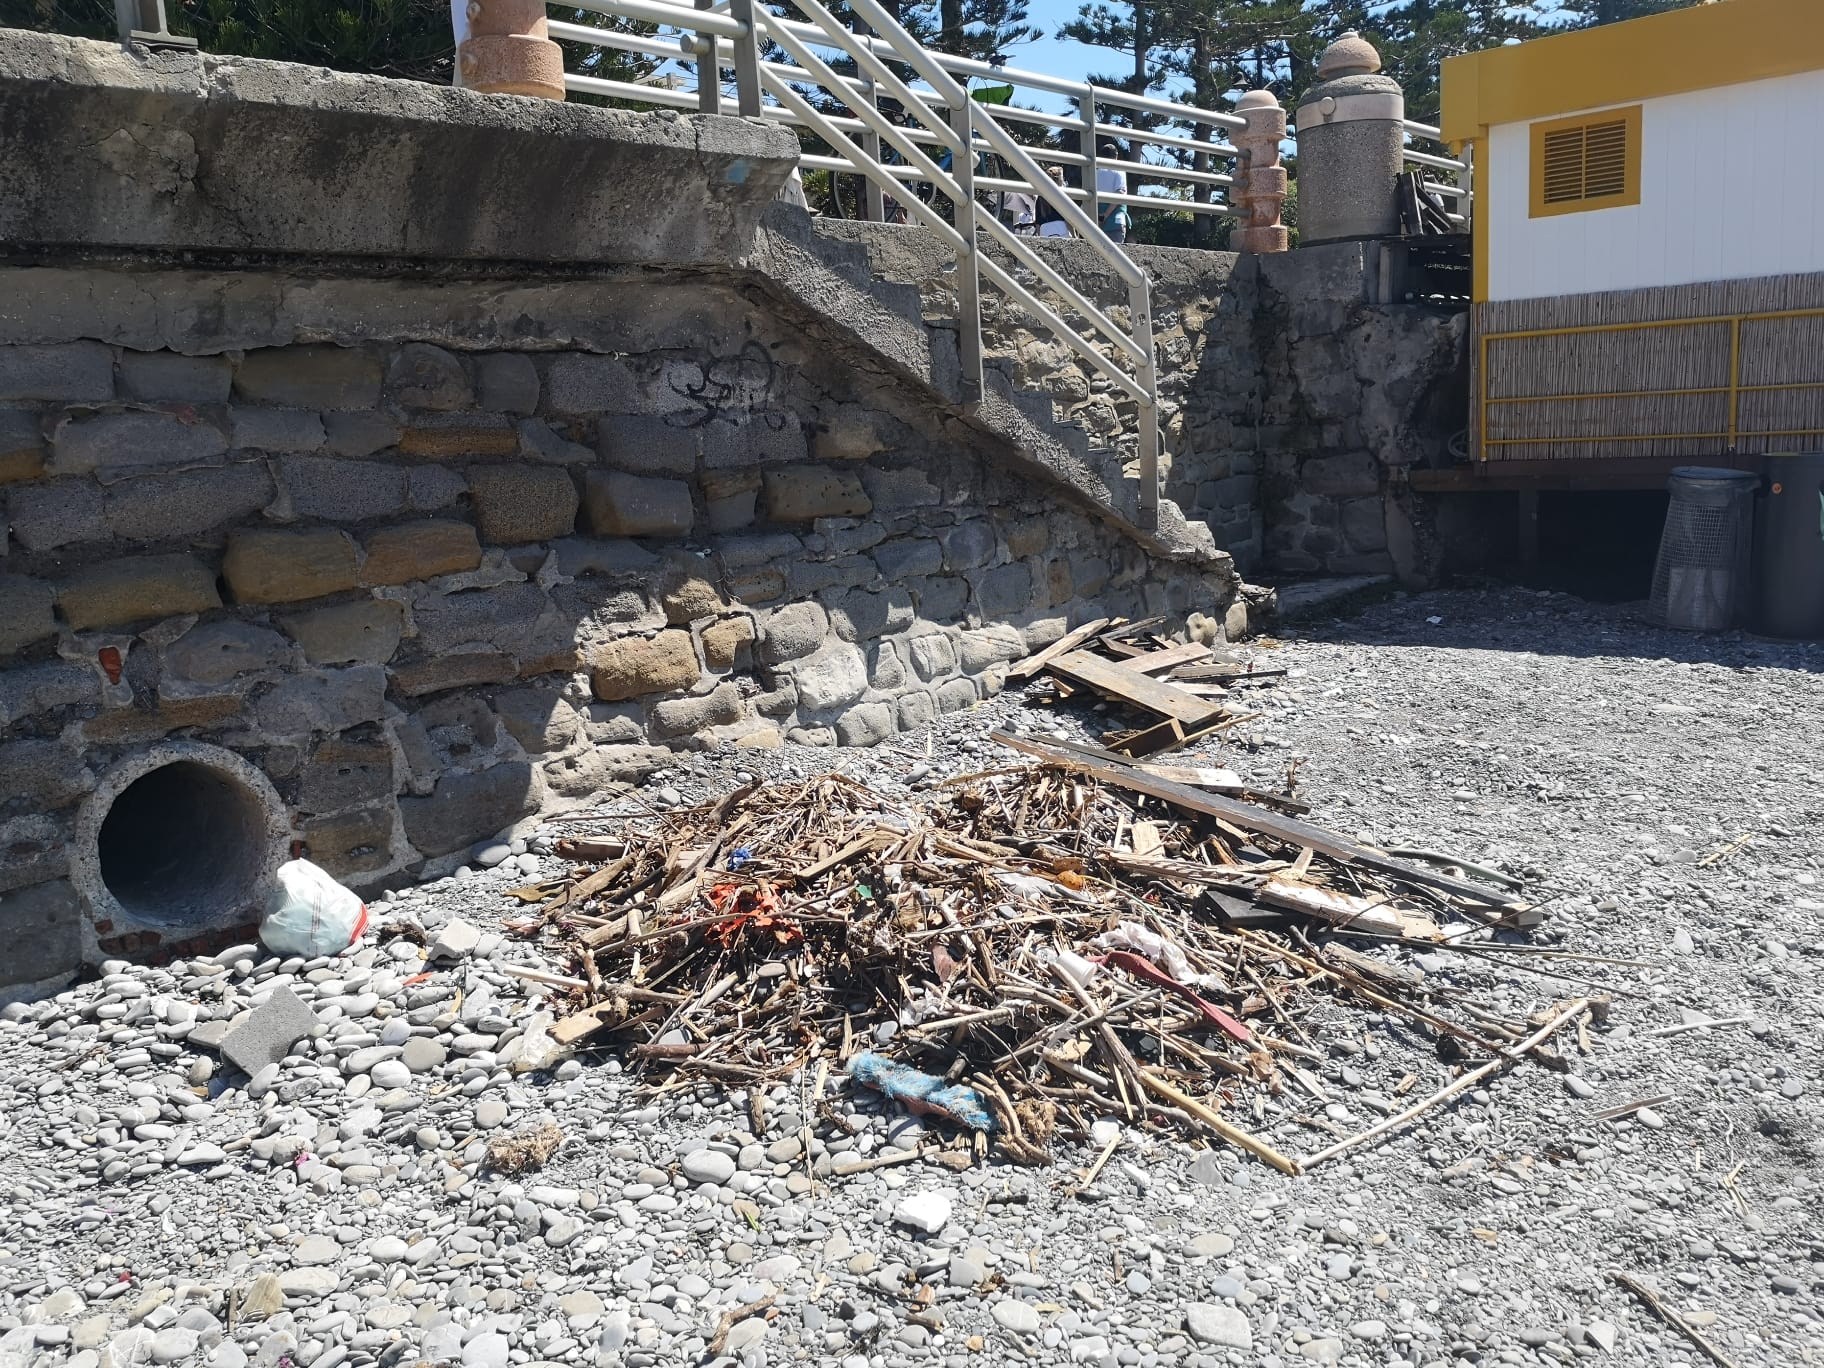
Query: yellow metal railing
[[1731, 436]]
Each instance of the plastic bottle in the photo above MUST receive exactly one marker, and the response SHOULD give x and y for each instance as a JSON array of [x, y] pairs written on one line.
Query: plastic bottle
[[310, 914]]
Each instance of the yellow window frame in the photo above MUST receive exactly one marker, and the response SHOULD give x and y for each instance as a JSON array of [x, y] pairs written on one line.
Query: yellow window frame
[[1629, 117]]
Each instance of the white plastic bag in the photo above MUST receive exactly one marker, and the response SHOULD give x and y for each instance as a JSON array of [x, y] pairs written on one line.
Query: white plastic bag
[[310, 914]]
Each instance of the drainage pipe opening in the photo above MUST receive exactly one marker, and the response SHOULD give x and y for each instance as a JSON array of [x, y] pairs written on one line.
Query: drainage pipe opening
[[183, 838]]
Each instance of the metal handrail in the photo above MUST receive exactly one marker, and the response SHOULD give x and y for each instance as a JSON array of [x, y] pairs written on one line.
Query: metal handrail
[[1463, 192], [942, 115]]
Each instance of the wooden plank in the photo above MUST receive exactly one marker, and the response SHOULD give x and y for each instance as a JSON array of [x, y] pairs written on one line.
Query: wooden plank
[[1161, 736], [1106, 677], [1251, 818], [1158, 662], [1224, 672], [1027, 668]]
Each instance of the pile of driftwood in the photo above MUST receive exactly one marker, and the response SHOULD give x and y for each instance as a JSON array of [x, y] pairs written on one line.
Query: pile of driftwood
[[1020, 951], [1181, 688]]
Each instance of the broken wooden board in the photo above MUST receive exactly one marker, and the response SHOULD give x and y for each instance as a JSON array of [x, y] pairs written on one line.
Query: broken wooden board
[[1252, 818], [1158, 662], [1022, 670], [1320, 904], [1130, 686]]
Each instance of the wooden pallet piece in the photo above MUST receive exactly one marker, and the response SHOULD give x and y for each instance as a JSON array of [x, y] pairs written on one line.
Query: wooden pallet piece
[[1130, 686]]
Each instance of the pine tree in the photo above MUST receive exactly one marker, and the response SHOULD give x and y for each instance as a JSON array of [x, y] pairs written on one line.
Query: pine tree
[[1590, 13]]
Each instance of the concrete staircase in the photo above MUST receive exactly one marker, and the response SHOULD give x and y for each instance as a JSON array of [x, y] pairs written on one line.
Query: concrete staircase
[[884, 322]]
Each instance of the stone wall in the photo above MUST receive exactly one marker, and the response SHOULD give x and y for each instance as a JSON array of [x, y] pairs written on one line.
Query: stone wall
[[436, 556], [1293, 402]]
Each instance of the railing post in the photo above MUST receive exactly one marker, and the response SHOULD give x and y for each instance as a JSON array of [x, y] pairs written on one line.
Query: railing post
[[1140, 307], [503, 47], [1260, 181], [709, 74], [876, 207], [968, 273], [747, 59], [1092, 202], [143, 21]]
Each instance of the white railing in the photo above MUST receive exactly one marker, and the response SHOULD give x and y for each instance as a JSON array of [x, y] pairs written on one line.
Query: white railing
[[940, 116], [1457, 178]]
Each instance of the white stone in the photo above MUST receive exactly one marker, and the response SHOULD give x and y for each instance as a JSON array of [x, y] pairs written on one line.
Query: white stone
[[1223, 1325], [1602, 1335], [707, 1166], [1016, 1316], [926, 1211], [456, 939]]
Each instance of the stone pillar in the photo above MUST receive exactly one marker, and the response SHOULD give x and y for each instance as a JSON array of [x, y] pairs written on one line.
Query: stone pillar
[[503, 47], [1260, 181], [1350, 146]]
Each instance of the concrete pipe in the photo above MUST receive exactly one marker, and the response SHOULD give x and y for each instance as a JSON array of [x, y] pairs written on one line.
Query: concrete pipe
[[180, 839]]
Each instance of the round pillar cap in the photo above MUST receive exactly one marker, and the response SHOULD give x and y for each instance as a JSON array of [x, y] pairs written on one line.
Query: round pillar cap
[[1350, 55]]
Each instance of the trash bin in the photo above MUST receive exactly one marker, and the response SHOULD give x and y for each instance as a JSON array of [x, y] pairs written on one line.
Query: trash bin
[[1789, 546], [1700, 581]]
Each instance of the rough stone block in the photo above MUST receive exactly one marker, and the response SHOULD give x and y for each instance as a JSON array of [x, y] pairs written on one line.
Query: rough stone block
[[1235, 621], [28, 690], [863, 614], [792, 631], [430, 488], [345, 772], [837, 675], [342, 491], [724, 641], [956, 695], [184, 504], [130, 726], [1058, 585], [634, 666], [579, 382], [41, 927], [613, 724], [508, 382], [761, 584], [351, 844], [539, 441], [419, 551], [759, 548], [455, 670], [586, 773], [1041, 632], [933, 655], [1364, 524], [941, 598], [1353, 472], [276, 430], [118, 444], [886, 671], [897, 490], [465, 440], [1089, 575], [849, 435], [995, 645], [583, 557], [168, 376], [361, 433], [622, 505], [518, 504], [681, 716], [865, 724], [909, 558], [1004, 591], [56, 513], [648, 446], [968, 545], [542, 720], [915, 709], [135, 588], [34, 848], [41, 775], [367, 631], [801, 493], [690, 598], [465, 807], [730, 498], [425, 377], [503, 617], [334, 700], [312, 377], [21, 446], [1027, 536], [217, 652], [270, 565], [72, 372], [269, 1032]]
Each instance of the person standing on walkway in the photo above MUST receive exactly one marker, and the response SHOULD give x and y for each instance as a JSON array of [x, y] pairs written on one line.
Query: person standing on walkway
[[1111, 182], [1051, 222]]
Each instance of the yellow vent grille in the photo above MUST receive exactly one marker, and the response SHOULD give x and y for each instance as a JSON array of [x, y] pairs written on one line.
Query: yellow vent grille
[[1587, 163]]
